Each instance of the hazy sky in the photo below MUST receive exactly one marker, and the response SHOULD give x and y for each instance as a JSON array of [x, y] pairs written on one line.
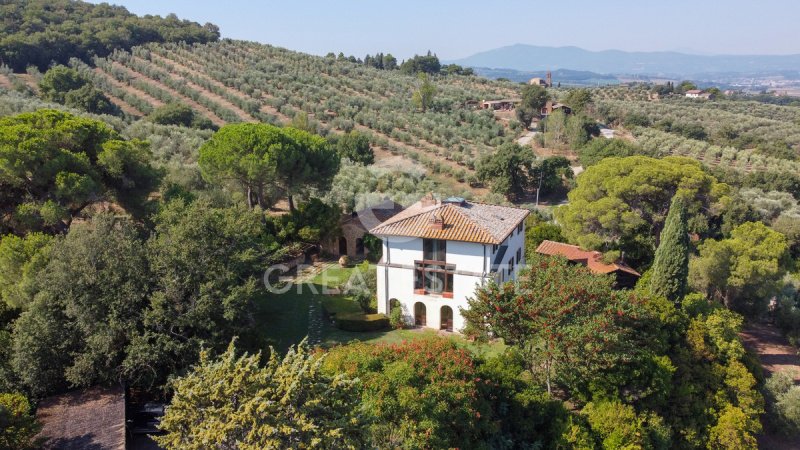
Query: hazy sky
[[458, 28]]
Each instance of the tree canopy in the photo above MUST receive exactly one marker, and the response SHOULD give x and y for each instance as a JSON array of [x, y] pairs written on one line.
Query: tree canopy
[[423, 95], [18, 426], [261, 158], [621, 203], [671, 263], [178, 114], [743, 271], [428, 64], [290, 402], [416, 400], [65, 85], [558, 314], [39, 32], [355, 147], [54, 164], [597, 149], [534, 98]]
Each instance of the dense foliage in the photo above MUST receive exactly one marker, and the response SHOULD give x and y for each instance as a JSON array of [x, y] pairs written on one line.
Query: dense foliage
[[39, 32], [17, 424], [670, 270], [55, 164], [109, 306], [743, 271], [264, 159], [621, 203], [557, 314], [290, 402]]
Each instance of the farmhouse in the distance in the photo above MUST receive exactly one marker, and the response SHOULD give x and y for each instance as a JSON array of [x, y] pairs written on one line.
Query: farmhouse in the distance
[[697, 93], [435, 253]]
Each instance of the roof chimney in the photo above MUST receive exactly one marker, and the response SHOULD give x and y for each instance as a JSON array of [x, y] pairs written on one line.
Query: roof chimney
[[436, 222], [428, 200]]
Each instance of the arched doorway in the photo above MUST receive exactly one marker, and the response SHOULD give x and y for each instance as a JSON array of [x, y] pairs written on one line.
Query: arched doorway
[[447, 318], [342, 246], [420, 317], [359, 247]]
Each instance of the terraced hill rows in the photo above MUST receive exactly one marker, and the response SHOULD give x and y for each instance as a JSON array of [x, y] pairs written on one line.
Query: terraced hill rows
[[232, 81]]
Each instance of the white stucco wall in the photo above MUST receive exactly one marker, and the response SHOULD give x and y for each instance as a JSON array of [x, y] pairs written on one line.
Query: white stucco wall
[[398, 282]]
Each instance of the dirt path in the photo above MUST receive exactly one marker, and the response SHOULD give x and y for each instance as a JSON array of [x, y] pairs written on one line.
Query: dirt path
[[5, 82], [773, 350], [776, 355]]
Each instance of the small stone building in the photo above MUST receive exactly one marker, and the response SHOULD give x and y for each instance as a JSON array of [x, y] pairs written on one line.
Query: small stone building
[[354, 226]]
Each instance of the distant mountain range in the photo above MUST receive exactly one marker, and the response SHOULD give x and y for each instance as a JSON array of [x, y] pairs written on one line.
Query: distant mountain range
[[527, 58]]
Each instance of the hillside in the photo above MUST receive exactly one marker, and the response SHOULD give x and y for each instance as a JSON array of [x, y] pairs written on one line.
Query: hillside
[[233, 81], [37, 32], [530, 57]]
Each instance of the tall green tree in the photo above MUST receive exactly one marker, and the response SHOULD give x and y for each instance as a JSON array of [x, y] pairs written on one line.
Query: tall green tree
[[508, 169], [243, 153], [54, 164], [670, 270], [58, 81], [578, 99], [534, 98], [567, 321], [355, 147], [88, 306], [21, 259], [306, 164], [206, 266], [67, 86], [621, 203], [743, 271], [234, 402], [262, 157], [423, 95]]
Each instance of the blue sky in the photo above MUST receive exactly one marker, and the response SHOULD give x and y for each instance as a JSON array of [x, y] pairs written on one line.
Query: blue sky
[[458, 28]]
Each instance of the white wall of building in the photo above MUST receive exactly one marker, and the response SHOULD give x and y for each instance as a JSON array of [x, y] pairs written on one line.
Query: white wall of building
[[396, 274]]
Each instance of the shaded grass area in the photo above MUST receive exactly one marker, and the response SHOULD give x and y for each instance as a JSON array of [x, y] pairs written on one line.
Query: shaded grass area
[[283, 318]]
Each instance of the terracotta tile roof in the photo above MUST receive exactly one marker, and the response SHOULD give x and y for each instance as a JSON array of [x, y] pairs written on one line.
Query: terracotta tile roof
[[93, 418], [373, 216], [591, 259], [462, 221]]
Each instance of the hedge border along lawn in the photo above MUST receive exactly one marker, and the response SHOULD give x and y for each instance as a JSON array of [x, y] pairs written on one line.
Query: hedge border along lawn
[[362, 322]]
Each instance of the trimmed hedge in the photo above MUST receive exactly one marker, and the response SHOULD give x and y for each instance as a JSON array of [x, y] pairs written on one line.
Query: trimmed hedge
[[362, 322]]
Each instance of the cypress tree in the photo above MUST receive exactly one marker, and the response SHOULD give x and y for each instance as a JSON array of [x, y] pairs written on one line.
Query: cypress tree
[[671, 264]]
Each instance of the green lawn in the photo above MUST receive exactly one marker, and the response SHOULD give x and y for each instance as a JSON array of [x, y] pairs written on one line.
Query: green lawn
[[336, 276], [283, 319]]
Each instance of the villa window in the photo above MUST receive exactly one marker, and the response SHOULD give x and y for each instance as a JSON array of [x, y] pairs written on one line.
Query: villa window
[[519, 227], [434, 250], [433, 278]]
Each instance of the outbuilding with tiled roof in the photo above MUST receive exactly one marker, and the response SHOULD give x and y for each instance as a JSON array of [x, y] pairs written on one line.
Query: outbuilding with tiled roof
[[626, 277]]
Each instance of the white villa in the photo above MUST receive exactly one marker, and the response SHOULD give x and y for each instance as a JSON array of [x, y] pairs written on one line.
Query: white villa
[[435, 253]]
